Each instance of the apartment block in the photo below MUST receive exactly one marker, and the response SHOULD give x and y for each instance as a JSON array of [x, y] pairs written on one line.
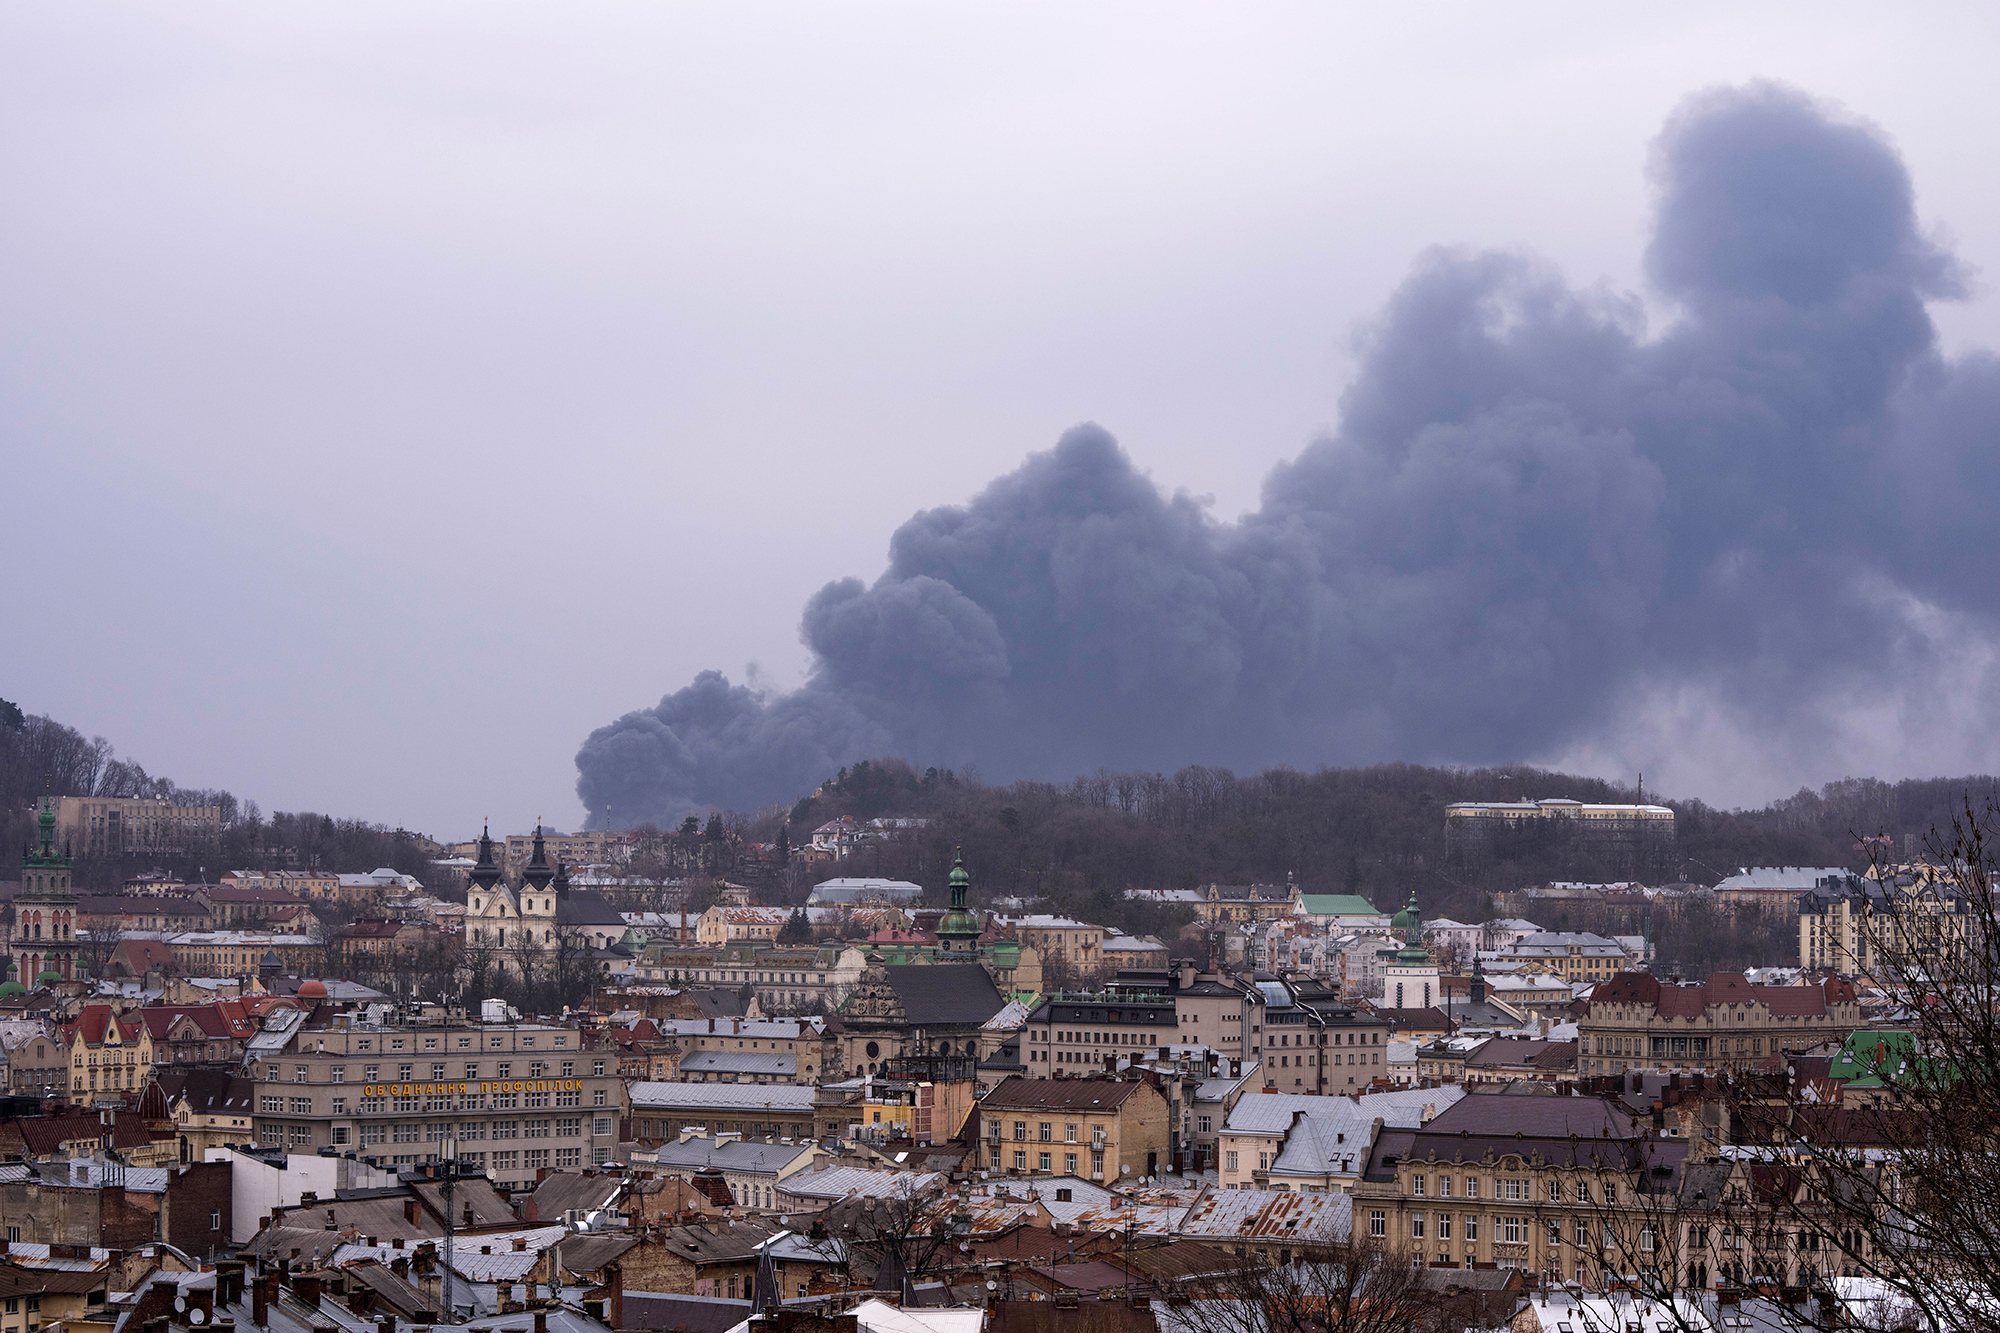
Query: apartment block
[[515, 1097]]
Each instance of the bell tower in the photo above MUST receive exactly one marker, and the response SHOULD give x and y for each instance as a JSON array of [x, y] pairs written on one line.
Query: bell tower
[[43, 944]]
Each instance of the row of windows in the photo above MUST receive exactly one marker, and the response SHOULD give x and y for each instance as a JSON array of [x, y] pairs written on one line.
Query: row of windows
[[1045, 1162], [495, 1041], [1510, 1230], [1507, 1187], [439, 1071], [470, 1131], [1045, 1132]]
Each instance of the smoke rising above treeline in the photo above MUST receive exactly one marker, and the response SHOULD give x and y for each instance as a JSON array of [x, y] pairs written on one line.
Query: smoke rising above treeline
[[1537, 531]]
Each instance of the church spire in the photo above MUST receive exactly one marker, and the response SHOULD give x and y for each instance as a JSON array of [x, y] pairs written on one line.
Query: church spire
[[487, 872], [538, 874]]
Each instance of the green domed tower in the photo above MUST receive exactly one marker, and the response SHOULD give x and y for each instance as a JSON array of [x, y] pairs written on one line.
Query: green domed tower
[[958, 933], [1409, 923]]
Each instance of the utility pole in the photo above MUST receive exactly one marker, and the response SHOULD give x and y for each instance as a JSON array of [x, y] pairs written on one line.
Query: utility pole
[[448, 1175]]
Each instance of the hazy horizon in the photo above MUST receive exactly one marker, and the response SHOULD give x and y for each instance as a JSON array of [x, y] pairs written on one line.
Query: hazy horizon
[[394, 396]]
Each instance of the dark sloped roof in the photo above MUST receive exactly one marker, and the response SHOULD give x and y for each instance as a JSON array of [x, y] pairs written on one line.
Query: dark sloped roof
[[394, 1291], [208, 1091], [1072, 1094], [586, 907], [693, 1314], [564, 1190], [488, 1208], [944, 994], [586, 1253]]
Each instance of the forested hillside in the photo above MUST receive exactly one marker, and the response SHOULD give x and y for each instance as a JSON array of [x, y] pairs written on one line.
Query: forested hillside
[[39, 753], [1377, 831]]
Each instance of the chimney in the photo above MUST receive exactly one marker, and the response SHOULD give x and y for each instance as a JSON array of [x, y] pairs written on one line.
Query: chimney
[[331, 1223], [385, 1323], [520, 1244], [260, 1304], [614, 1277], [360, 1299], [410, 1211], [396, 1243], [306, 1289], [541, 1321], [528, 1214], [468, 1216], [400, 1266]]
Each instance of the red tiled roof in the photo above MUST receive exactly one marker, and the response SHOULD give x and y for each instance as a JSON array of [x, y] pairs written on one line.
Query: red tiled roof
[[1670, 1001]]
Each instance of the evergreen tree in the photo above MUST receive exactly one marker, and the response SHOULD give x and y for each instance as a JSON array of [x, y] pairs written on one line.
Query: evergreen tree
[[797, 929]]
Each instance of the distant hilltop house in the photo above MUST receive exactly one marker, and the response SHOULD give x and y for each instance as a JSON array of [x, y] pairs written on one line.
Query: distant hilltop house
[[837, 837], [1478, 820]]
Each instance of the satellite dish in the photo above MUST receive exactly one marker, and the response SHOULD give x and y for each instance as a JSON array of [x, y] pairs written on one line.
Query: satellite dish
[[991, 1285], [180, 1305], [197, 1315]]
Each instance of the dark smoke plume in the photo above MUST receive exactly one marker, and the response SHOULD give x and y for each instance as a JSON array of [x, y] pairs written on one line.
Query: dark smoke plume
[[1535, 529]]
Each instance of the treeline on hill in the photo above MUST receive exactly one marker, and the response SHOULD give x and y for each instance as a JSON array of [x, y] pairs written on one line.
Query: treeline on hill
[[38, 753], [1377, 831]]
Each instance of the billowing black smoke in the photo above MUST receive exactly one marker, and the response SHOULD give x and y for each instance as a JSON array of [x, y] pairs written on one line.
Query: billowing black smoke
[[1531, 520]]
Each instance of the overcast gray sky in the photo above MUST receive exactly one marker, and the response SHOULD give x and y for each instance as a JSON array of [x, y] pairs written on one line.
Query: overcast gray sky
[[392, 394]]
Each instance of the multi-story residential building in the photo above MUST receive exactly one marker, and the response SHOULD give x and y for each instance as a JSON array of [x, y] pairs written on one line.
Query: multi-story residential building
[[376, 888], [1776, 888], [1218, 903], [1086, 1032], [1077, 943], [1571, 955], [786, 979], [1902, 916], [1481, 820], [37, 1060], [310, 885], [1637, 1021], [515, 1097], [1534, 1183], [1134, 952], [1449, 938], [1505, 932], [1314, 1042], [255, 908], [753, 1171], [1106, 1129], [108, 1052], [725, 925], [1217, 1011], [1311, 1144], [596, 847], [209, 1108], [661, 1111], [136, 826], [240, 953], [116, 915], [741, 1050], [185, 1036]]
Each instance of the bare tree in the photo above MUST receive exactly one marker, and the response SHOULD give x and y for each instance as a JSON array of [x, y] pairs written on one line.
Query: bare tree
[[1339, 1287]]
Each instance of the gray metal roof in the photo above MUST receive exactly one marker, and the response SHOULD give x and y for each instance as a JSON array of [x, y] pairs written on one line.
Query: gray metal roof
[[731, 1155], [770, 1063], [720, 1097]]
